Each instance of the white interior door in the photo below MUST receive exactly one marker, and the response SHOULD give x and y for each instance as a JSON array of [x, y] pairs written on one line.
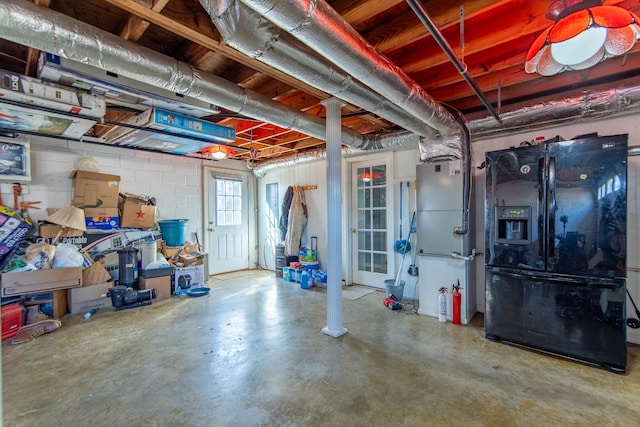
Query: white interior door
[[370, 222], [227, 225]]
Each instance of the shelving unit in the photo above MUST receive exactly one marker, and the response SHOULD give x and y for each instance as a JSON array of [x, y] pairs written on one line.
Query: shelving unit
[[281, 260]]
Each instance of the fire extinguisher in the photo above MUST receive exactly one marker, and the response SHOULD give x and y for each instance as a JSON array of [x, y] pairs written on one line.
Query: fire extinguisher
[[442, 305], [456, 297]]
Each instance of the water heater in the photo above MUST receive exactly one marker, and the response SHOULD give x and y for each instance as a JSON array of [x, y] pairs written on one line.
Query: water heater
[[441, 251]]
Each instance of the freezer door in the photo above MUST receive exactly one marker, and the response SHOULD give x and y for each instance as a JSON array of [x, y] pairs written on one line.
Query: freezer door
[[587, 203], [568, 316], [514, 208]]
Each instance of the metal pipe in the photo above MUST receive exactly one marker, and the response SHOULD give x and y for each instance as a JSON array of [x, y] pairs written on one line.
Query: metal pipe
[[424, 17]]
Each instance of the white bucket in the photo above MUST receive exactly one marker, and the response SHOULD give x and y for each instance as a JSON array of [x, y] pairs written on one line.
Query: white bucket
[[149, 251]]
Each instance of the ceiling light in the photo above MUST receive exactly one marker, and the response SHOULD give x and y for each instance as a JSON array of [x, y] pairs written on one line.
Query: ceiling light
[[584, 34], [218, 152]]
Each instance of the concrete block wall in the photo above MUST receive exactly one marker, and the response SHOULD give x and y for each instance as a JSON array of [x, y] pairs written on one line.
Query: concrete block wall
[[175, 181]]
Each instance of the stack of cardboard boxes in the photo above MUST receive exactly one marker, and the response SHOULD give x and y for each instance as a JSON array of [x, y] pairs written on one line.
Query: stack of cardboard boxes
[[97, 193]]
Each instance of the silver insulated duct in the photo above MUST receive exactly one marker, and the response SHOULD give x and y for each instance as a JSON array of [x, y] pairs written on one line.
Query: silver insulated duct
[[322, 29], [245, 30], [587, 106], [26, 23]]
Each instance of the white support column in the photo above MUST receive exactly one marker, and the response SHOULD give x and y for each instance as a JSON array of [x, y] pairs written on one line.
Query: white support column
[[334, 217]]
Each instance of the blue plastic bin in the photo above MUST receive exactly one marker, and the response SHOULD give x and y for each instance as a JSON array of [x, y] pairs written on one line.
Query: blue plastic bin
[[174, 231]]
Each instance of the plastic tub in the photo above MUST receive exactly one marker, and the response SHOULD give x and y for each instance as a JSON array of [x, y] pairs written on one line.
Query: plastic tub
[[174, 231], [393, 289]]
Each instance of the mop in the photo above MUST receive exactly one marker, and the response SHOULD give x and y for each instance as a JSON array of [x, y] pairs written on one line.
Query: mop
[[404, 252], [401, 246], [413, 268]]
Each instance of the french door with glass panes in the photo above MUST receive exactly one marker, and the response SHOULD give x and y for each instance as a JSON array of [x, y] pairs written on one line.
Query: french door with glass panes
[[370, 223]]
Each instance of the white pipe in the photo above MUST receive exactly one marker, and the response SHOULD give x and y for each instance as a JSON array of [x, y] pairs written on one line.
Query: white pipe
[[470, 257]]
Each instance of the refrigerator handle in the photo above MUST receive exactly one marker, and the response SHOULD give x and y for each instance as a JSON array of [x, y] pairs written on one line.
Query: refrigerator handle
[[551, 206], [541, 193]]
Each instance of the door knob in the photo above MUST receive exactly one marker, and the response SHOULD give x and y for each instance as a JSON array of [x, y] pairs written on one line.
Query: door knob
[[211, 230]]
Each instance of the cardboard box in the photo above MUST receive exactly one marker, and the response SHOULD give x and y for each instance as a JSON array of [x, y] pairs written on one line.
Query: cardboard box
[[50, 231], [161, 284], [95, 190], [137, 216], [102, 218], [53, 304], [84, 306], [140, 200], [188, 278], [190, 259], [30, 91], [30, 282], [119, 90], [43, 122], [95, 274], [169, 121], [85, 298]]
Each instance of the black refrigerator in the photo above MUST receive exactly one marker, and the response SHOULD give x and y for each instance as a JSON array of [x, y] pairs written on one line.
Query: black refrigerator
[[556, 246]]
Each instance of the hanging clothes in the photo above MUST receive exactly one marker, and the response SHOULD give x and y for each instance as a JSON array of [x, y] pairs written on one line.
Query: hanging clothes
[[297, 222], [284, 214]]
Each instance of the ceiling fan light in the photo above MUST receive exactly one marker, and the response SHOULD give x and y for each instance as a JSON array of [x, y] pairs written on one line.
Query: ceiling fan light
[[570, 26], [597, 57], [538, 44], [544, 64], [580, 48], [620, 40], [581, 39]]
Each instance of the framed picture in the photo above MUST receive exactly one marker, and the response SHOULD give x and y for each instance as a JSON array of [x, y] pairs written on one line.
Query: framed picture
[[15, 161]]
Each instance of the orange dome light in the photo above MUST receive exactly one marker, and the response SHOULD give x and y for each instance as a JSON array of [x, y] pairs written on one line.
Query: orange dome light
[[218, 152], [584, 34]]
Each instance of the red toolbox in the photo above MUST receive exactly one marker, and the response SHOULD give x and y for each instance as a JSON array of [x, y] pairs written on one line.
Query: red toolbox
[[11, 320]]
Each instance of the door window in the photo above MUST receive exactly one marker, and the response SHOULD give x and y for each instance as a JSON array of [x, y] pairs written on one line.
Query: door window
[[228, 202], [372, 219]]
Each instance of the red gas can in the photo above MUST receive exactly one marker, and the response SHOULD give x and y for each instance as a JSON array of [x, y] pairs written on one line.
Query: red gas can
[[11, 320]]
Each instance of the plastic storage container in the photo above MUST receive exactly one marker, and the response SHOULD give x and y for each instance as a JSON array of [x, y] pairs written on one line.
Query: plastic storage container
[[393, 289], [12, 315], [306, 280], [174, 231]]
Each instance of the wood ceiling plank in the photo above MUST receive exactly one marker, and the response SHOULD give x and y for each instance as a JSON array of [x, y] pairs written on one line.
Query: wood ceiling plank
[[133, 28], [204, 36], [207, 60], [407, 28], [517, 84], [358, 11]]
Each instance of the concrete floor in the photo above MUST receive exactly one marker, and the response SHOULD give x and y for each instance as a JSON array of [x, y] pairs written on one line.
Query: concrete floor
[[252, 354]]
